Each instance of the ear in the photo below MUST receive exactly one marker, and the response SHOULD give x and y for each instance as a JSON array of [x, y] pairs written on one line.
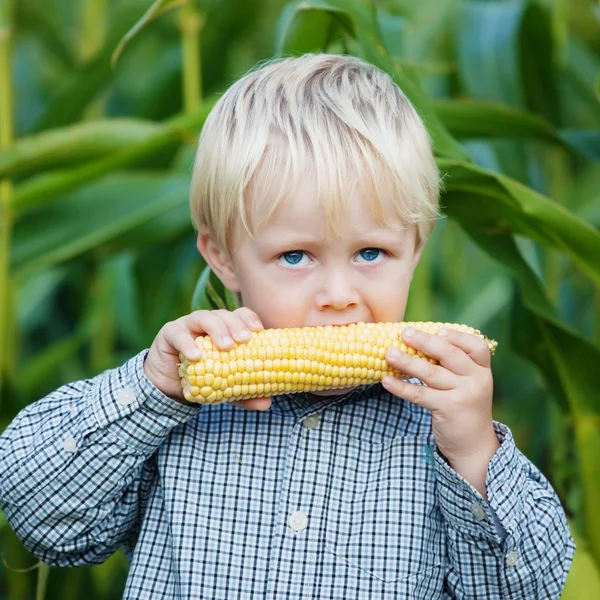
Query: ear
[[218, 260]]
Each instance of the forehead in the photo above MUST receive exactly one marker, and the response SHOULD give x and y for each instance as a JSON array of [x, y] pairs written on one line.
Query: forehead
[[303, 210]]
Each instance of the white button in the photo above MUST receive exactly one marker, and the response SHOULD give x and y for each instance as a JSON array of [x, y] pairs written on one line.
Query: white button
[[298, 521], [311, 422], [70, 444], [125, 396], [511, 558], [478, 511]]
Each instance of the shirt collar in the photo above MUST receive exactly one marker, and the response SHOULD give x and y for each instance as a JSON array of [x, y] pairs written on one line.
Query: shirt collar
[[303, 403]]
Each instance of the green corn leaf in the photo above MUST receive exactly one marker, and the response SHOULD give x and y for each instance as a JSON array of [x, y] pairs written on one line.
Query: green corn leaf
[[487, 303], [505, 53], [162, 228], [586, 141], [469, 118], [170, 271], [74, 90], [157, 8], [35, 295], [124, 298], [46, 187], [493, 203], [393, 30], [93, 216], [536, 329], [43, 21], [538, 63], [101, 319], [359, 20], [480, 119], [211, 294], [305, 28], [581, 77], [200, 298], [73, 145], [583, 581], [488, 50], [38, 374]]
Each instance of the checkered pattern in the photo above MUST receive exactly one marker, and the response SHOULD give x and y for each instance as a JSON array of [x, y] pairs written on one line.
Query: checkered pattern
[[201, 498]]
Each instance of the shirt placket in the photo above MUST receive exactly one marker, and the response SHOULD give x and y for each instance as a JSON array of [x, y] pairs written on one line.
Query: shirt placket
[[300, 513]]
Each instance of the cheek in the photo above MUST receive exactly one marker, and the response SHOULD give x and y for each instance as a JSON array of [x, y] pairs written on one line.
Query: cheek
[[387, 296], [277, 305]]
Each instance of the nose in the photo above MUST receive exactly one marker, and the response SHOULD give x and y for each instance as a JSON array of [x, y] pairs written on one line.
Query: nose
[[337, 292]]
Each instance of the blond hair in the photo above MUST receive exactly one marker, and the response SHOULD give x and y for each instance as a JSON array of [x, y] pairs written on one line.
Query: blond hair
[[339, 116]]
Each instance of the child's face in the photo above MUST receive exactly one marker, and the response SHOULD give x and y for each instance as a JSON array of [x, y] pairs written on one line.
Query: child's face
[[291, 277]]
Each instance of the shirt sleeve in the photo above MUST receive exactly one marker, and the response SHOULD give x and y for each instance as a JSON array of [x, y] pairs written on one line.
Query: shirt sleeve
[[518, 544], [76, 464]]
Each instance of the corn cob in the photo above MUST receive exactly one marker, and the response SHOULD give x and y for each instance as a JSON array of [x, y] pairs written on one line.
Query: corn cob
[[279, 361]]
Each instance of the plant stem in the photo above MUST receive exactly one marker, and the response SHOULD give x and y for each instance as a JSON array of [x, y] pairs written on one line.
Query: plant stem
[[92, 36], [6, 188], [92, 28], [587, 436], [42, 582], [191, 22], [597, 313]]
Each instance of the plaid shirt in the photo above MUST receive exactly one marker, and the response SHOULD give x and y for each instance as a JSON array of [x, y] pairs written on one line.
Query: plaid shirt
[[333, 497]]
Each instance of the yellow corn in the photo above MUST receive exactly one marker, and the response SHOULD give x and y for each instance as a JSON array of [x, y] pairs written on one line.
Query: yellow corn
[[280, 361]]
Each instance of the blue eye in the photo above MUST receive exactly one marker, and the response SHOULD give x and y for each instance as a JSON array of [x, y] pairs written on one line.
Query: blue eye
[[370, 254], [294, 257]]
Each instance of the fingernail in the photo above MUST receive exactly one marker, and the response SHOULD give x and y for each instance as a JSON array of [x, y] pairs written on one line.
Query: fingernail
[[443, 332], [227, 341], [257, 324], [196, 354], [409, 332], [244, 334]]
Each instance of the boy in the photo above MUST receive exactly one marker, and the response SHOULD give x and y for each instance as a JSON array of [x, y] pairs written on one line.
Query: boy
[[314, 191]]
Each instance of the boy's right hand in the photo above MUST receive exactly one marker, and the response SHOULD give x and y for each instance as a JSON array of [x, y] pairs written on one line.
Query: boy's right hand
[[162, 362]]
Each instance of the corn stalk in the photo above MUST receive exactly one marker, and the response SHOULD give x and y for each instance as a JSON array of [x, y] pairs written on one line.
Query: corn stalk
[[6, 217], [92, 29], [191, 22], [6, 189]]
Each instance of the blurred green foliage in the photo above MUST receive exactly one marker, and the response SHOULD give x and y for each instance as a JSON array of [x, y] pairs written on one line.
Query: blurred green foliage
[[102, 252]]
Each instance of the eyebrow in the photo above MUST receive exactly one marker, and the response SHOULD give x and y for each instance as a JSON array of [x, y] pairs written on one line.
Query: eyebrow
[[295, 242], [377, 237]]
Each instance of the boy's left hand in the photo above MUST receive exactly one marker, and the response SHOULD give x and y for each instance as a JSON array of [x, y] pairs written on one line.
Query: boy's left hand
[[458, 393]]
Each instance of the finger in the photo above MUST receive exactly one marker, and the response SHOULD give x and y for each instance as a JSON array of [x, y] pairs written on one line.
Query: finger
[[238, 329], [472, 345], [435, 376], [204, 321], [253, 404], [447, 354], [180, 339], [249, 317], [417, 394]]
